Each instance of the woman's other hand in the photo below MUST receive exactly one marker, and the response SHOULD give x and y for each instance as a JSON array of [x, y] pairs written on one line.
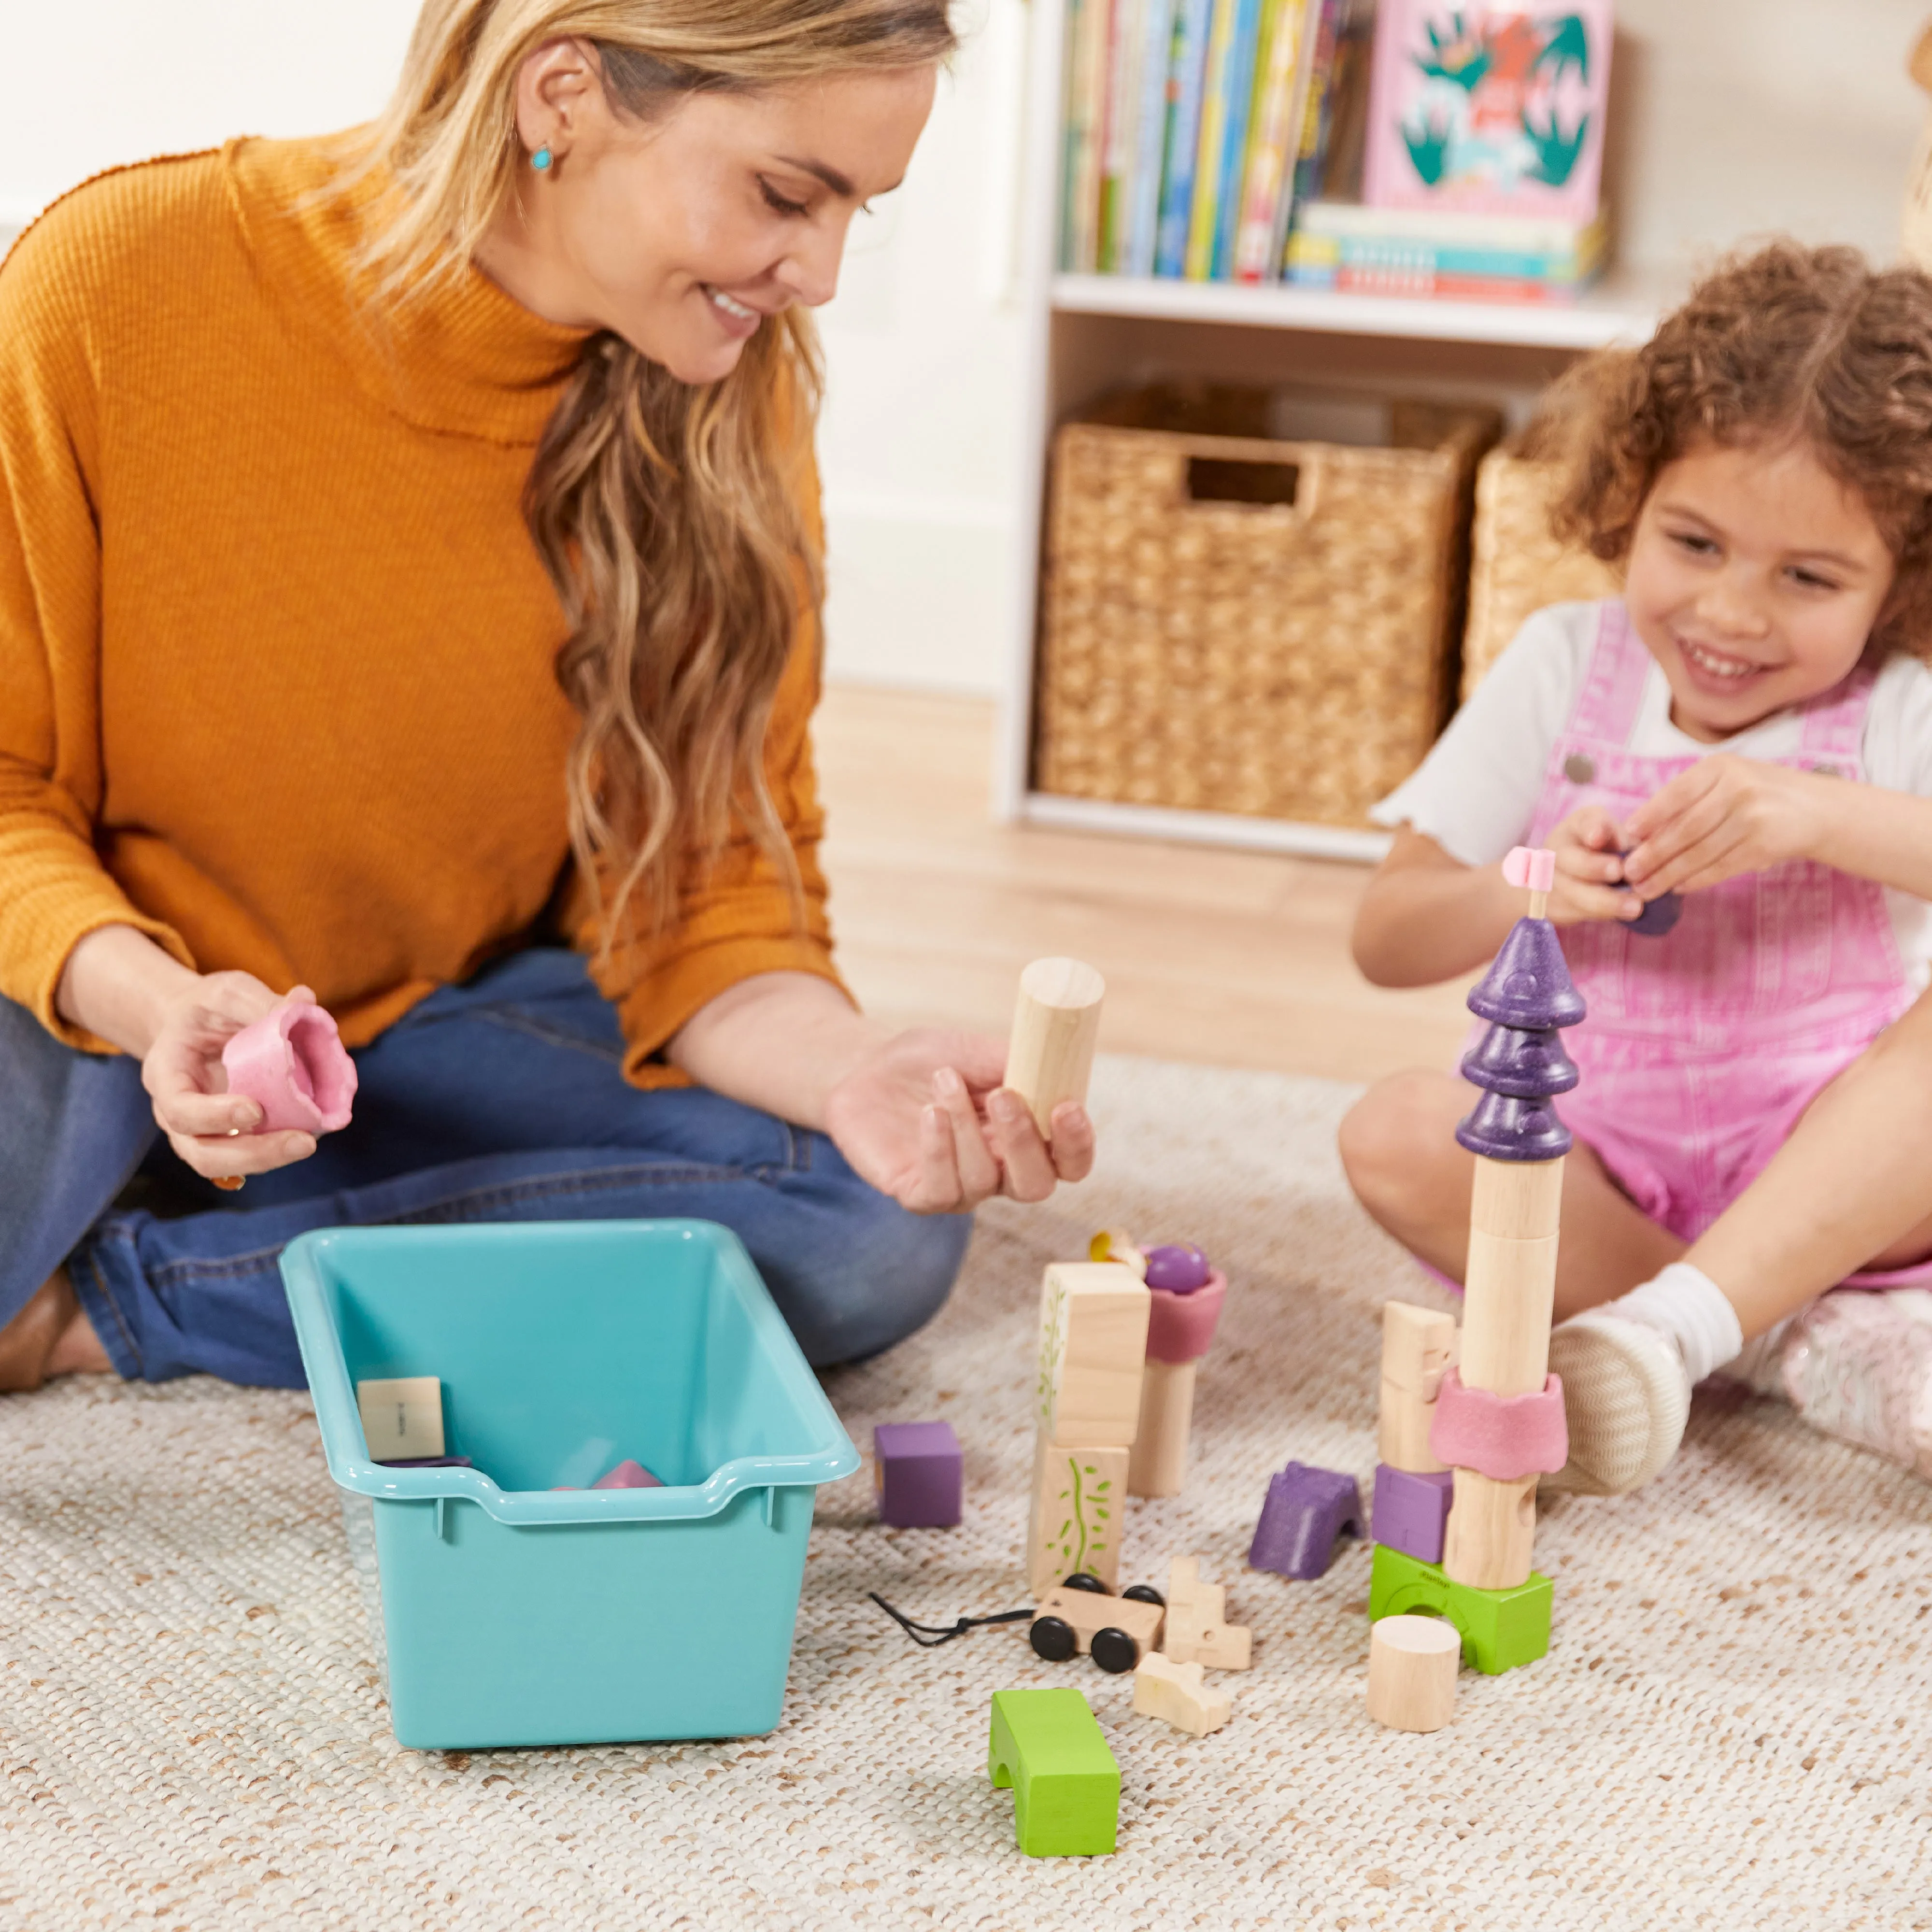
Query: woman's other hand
[[923, 1117]]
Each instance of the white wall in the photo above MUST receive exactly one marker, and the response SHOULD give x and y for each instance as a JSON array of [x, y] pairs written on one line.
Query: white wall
[[918, 445]]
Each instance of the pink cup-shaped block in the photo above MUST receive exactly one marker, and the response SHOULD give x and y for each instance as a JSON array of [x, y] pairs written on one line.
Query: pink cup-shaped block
[[627, 1475], [292, 1063], [1181, 1328], [1504, 1437]]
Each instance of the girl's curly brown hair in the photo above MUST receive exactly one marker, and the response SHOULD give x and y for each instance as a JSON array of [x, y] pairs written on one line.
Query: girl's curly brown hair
[[1789, 342]]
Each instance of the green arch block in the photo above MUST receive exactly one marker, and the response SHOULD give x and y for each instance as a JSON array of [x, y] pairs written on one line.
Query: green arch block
[[1500, 1629]]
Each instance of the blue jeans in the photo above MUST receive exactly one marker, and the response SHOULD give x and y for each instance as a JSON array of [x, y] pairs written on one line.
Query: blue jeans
[[500, 1100]]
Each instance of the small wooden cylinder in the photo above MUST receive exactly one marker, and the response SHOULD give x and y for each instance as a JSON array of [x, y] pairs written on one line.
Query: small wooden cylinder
[[1510, 1291], [1157, 1464], [1412, 1664], [1055, 1025], [1492, 1536]]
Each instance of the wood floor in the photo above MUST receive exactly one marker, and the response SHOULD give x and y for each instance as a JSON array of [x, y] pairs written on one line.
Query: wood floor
[[1236, 958]]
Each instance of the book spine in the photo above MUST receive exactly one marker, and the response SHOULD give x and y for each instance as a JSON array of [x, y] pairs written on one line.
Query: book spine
[[1319, 110], [1277, 104], [1151, 129], [1185, 84], [1321, 25], [1123, 101], [1427, 258], [1241, 96], [1208, 150], [1420, 284]]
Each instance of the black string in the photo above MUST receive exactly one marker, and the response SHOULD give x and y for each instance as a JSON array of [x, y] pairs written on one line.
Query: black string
[[926, 1635]]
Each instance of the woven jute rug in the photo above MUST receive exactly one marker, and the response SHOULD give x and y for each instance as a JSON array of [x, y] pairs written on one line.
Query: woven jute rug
[[1730, 1729]]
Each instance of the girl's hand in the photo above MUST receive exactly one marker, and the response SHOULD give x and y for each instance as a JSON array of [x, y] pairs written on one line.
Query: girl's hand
[[1589, 872], [1724, 816], [211, 1130], [923, 1118]]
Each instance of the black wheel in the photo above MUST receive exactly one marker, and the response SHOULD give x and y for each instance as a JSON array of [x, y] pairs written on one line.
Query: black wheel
[[1114, 1651], [1143, 1593], [1053, 1639], [1082, 1580]]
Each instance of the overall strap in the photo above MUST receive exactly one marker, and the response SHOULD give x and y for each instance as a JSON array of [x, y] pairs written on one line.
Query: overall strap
[[1834, 728], [1606, 707]]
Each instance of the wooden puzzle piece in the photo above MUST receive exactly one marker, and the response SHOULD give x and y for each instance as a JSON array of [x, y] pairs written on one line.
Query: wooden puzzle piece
[[1176, 1693], [1197, 1630]]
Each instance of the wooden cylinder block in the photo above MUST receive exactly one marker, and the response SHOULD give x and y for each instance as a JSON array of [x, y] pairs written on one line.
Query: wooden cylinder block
[[1509, 1292], [1157, 1465], [1492, 1531], [1055, 1025], [1412, 1663], [1403, 1443], [1521, 1200]]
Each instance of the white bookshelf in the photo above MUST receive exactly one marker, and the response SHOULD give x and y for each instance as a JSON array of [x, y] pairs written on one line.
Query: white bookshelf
[[1695, 167]]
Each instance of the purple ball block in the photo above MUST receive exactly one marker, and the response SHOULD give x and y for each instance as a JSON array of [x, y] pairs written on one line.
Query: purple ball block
[[1529, 986], [1658, 916], [1505, 1128], [1179, 1268], [1306, 1510], [1530, 1065], [1412, 1510], [919, 1475]]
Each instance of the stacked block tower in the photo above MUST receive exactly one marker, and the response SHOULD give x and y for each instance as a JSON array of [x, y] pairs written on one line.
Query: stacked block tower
[[1093, 1345], [1496, 1413]]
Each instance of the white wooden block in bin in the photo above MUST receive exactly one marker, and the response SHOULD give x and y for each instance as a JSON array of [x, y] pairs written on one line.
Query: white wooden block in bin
[[402, 1418]]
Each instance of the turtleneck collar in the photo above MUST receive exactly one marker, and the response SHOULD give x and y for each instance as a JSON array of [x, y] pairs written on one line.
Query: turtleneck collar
[[463, 359]]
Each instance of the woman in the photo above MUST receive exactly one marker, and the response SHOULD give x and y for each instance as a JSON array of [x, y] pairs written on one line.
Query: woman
[[408, 592]]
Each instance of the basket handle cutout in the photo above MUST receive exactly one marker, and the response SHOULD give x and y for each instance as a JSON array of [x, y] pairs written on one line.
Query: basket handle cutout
[[1257, 484]]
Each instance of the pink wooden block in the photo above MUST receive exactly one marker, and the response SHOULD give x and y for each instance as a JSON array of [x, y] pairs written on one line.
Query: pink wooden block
[[1504, 1437], [1181, 1328], [627, 1475], [292, 1063]]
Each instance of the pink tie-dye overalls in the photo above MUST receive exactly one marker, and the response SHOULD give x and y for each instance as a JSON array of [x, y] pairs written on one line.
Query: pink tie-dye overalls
[[1703, 1047]]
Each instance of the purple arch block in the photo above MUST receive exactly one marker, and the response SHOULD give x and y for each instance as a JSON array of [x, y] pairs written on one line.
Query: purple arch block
[[1529, 986], [1307, 1509]]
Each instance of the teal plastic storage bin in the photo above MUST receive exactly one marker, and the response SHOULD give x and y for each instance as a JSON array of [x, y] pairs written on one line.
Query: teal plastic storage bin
[[512, 1615]]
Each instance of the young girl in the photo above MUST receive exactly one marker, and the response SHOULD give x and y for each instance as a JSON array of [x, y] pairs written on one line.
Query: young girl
[[1747, 727]]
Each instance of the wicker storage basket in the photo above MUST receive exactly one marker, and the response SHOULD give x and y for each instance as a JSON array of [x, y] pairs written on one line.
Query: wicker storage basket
[[1518, 565], [1252, 599]]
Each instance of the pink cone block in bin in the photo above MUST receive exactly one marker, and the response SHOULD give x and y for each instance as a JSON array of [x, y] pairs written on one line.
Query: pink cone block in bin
[[292, 1062], [1181, 1326], [1504, 1437], [627, 1475]]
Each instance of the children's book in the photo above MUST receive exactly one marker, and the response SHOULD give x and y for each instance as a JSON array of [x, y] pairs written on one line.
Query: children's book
[[1392, 251], [1125, 48], [1235, 135], [1186, 79], [1280, 87], [1324, 25], [1085, 121], [1489, 106], [1223, 52], [1150, 135]]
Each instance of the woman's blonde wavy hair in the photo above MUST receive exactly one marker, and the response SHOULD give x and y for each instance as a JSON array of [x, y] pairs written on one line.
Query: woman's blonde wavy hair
[[665, 514]]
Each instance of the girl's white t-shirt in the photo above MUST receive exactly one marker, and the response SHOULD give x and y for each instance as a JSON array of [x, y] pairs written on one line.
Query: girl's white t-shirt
[[1476, 792]]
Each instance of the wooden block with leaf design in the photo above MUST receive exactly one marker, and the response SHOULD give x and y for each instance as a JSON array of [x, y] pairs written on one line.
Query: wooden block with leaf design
[[1092, 1349], [1079, 1498]]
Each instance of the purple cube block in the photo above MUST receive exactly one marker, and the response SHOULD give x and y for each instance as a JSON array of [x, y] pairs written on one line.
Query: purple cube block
[[1412, 1510], [1306, 1510], [917, 1470]]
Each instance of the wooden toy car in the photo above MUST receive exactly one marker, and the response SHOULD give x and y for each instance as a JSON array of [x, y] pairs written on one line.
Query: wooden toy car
[[1082, 1617]]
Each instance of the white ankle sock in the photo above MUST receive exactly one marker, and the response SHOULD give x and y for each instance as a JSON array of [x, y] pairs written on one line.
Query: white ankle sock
[[1692, 1309]]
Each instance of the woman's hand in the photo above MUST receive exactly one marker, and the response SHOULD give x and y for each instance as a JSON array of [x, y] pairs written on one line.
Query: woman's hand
[[211, 1129], [1724, 816], [923, 1118], [1590, 873]]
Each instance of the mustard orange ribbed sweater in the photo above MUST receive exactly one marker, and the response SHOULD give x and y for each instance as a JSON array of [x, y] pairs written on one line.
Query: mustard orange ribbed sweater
[[276, 682]]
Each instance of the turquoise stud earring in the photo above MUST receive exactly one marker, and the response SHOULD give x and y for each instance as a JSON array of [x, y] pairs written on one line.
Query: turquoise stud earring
[[542, 160]]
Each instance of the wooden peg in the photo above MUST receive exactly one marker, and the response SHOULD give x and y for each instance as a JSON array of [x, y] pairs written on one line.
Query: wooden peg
[[1506, 1312], [1177, 1693], [1158, 1465], [1197, 1630], [1491, 1534], [1055, 1025], [1412, 1662]]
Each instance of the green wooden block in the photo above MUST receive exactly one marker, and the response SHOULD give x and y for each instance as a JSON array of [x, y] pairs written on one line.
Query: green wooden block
[[1065, 1785], [1499, 1628]]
